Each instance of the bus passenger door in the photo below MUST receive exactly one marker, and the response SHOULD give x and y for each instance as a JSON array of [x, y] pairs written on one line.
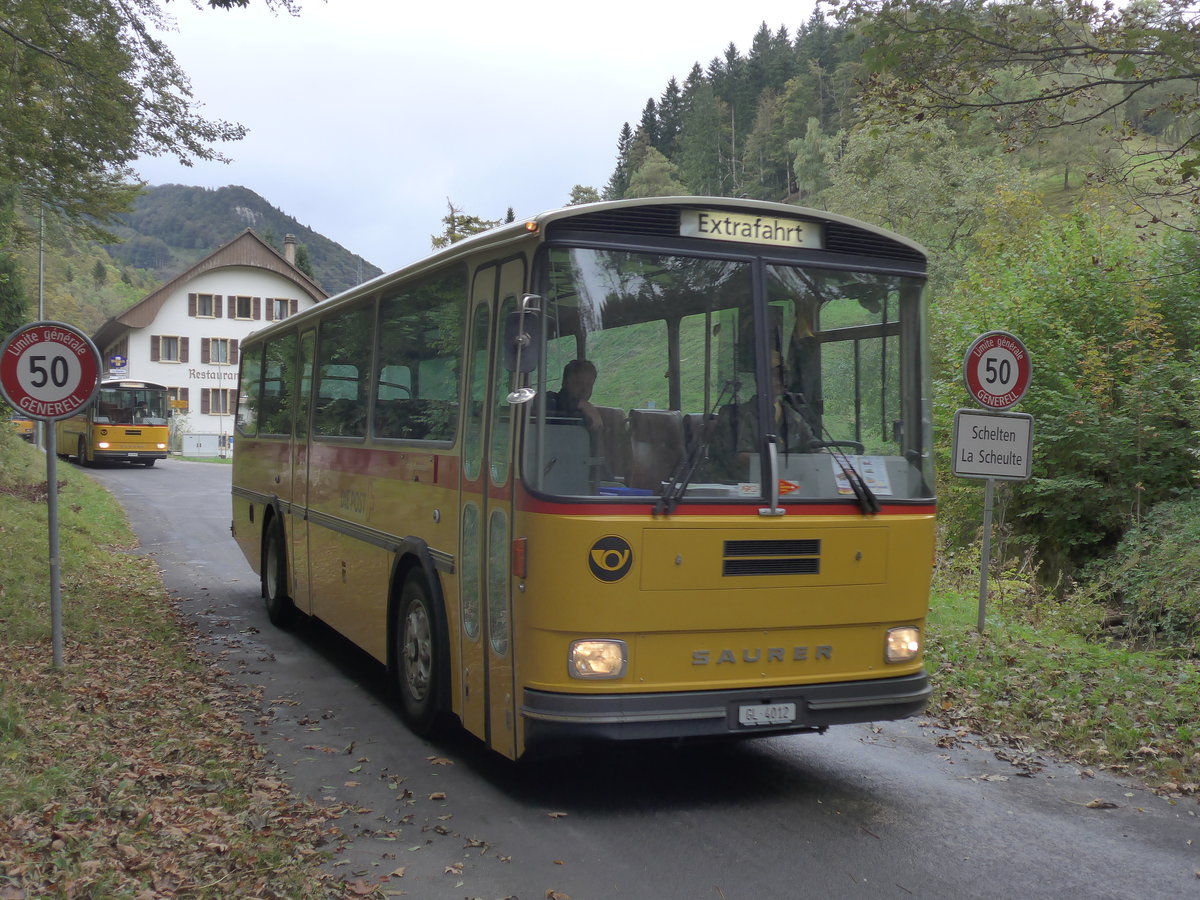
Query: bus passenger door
[[489, 701], [298, 524]]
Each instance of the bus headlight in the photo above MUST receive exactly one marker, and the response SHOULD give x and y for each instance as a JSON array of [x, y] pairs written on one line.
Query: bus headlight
[[103, 445], [903, 644], [161, 446], [597, 659]]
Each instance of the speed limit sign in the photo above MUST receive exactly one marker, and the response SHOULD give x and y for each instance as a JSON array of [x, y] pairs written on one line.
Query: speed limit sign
[[49, 370], [997, 370]]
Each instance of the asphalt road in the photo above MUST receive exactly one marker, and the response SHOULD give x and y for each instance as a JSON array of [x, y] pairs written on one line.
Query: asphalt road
[[894, 810]]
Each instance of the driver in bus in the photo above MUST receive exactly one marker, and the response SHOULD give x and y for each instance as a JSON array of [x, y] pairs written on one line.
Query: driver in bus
[[574, 400]]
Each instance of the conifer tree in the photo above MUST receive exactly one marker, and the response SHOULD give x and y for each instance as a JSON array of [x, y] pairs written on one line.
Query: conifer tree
[[619, 181]]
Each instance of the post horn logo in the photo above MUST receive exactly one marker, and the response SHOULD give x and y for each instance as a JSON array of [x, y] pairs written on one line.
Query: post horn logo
[[610, 558]]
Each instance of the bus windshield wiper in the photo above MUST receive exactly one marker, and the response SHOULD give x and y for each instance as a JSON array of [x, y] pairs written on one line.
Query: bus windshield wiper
[[682, 476], [862, 491]]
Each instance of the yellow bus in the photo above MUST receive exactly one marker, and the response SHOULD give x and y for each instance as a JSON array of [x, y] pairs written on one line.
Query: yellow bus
[[527, 474], [22, 426], [126, 422]]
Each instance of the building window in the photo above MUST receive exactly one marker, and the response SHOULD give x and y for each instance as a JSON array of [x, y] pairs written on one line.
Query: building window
[[280, 308], [168, 348], [179, 399], [217, 401], [219, 351], [244, 307], [207, 306]]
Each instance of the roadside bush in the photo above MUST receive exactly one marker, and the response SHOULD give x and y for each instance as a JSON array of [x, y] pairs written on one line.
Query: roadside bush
[[1154, 577]]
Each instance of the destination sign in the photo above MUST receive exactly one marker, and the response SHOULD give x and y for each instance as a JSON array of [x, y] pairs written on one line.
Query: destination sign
[[722, 225]]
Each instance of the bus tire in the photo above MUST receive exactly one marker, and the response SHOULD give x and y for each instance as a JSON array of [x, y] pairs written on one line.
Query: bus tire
[[148, 462], [81, 453], [280, 608], [417, 656]]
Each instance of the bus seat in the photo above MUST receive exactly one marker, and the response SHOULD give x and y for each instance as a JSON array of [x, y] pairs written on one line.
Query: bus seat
[[656, 437], [615, 434]]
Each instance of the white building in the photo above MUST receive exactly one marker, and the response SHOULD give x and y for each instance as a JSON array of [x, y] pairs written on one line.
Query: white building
[[185, 335]]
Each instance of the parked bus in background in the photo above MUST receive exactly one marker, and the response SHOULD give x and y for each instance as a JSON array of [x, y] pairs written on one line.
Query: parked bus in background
[[22, 426], [126, 422], [637, 469]]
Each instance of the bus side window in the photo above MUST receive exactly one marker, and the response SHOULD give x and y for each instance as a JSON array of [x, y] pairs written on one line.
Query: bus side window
[[344, 346], [416, 390]]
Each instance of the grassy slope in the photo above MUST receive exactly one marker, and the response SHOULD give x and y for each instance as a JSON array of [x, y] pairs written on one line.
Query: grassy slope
[[128, 773], [1033, 682]]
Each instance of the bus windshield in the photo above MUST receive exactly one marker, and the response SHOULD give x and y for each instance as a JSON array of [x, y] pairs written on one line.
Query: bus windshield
[[118, 405], [701, 376]]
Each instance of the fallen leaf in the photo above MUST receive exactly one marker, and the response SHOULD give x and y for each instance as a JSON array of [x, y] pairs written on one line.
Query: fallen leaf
[[1101, 804], [437, 795], [556, 815], [398, 872], [453, 869], [439, 761]]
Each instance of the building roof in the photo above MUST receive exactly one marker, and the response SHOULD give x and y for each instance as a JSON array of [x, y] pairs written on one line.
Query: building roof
[[247, 249]]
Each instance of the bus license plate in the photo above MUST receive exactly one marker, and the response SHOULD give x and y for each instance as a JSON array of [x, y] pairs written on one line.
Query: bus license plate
[[767, 714]]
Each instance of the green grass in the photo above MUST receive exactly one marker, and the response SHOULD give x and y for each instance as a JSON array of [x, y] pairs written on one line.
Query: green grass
[[1041, 675], [127, 773]]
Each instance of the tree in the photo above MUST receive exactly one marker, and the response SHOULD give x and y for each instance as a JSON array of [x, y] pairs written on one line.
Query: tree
[[657, 177], [12, 295], [581, 194], [458, 226], [1113, 346], [1077, 63], [85, 89], [914, 178], [619, 181]]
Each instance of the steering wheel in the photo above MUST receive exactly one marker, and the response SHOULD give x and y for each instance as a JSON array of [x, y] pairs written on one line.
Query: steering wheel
[[855, 445]]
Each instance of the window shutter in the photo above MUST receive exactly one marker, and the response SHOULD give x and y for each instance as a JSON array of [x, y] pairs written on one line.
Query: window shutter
[[295, 306], [231, 308], [192, 305], [155, 348], [183, 395], [204, 401], [233, 352], [270, 310], [217, 305], [205, 353], [257, 308], [183, 349]]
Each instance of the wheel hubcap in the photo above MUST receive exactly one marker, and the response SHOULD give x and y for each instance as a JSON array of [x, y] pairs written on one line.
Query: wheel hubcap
[[418, 652]]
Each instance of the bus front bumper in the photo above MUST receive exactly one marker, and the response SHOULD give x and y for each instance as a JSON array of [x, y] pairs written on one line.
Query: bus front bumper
[[118, 455], [551, 717]]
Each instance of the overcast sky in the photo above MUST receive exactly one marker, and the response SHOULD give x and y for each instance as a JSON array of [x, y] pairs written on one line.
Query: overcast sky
[[366, 115]]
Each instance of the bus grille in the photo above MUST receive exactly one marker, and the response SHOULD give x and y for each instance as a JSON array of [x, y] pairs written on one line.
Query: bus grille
[[785, 557]]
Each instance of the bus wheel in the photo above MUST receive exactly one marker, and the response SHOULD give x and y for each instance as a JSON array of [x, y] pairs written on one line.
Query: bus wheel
[[81, 454], [148, 462], [280, 608], [416, 656]]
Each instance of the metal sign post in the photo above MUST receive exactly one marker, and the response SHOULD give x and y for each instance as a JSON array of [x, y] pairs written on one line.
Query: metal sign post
[[993, 445], [50, 371]]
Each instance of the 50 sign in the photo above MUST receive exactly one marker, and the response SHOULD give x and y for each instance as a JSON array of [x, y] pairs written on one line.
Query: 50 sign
[[997, 370], [49, 370]]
